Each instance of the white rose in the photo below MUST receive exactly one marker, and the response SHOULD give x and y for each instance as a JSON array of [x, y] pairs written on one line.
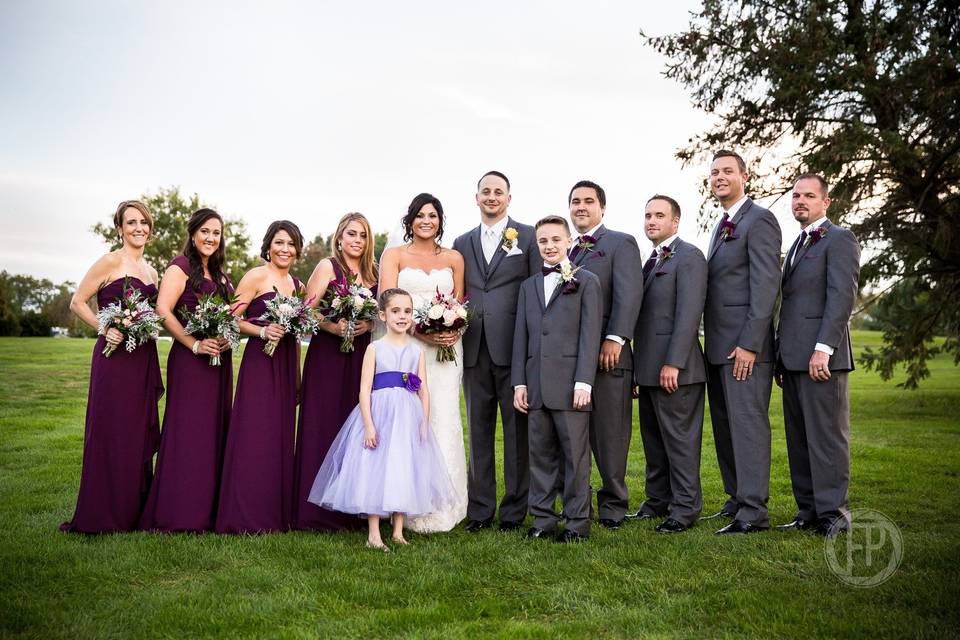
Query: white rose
[[462, 313], [336, 301], [358, 302], [449, 316], [435, 312], [285, 309], [366, 293]]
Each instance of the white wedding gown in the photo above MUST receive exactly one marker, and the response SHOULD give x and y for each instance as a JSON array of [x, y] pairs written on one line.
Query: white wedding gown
[[443, 382]]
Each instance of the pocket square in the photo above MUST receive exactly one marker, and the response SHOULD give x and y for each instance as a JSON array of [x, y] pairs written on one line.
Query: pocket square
[[515, 251]]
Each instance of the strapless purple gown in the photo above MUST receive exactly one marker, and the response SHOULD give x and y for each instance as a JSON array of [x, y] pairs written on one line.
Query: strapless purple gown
[[122, 430], [186, 482], [328, 393], [256, 489]]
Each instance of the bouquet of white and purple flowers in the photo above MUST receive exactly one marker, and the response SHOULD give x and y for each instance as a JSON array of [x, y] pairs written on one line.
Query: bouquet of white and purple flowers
[[293, 313], [213, 318], [132, 315], [443, 312], [348, 300]]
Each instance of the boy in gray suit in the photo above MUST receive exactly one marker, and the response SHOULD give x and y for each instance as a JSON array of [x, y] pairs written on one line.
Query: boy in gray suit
[[555, 350], [669, 371], [814, 358]]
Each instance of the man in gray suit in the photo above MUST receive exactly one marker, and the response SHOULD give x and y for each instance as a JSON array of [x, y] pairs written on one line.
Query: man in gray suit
[[498, 255], [742, 285], [555, 347], [814, 358], [669, 371], [615, 259]]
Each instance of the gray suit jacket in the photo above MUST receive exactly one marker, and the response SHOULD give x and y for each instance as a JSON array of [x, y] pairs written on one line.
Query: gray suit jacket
[[492, 292], [669, 324], [743, 280], [819, 291], [615, 259], [556, 342]]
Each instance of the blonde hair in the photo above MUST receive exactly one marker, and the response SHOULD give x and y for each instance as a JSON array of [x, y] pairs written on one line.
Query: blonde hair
[[134, 204], [368, 268]]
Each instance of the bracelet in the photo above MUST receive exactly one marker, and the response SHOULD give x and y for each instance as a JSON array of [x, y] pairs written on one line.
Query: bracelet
[[196, 347], [263, 333]]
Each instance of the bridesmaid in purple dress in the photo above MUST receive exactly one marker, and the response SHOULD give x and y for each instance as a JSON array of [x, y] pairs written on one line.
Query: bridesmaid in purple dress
[[122, 425], [187, 479], [331, 379], [256, 489]]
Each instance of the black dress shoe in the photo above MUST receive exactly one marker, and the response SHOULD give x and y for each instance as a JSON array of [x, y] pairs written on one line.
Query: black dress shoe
[[476, 525], [537, 532], [831, 528], [641, 515], [798, 524], [509, 525], [723, 513], [739, 526], [671, 526], [568, 535], [611, 524]]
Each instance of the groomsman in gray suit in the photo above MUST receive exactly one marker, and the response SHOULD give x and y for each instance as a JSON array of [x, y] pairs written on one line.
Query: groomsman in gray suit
[[814, 358], [669, 371], [555, 347], [615, 259], [498, 256], [742, 285]]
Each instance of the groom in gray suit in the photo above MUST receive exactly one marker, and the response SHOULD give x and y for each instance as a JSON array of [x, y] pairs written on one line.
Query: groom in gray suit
[[615, 259], [814, 358], [669, 371], [498, 255], [743, 280], [555, 347]]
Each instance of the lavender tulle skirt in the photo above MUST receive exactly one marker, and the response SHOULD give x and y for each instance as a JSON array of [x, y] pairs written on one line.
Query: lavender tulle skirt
[[404, 474]]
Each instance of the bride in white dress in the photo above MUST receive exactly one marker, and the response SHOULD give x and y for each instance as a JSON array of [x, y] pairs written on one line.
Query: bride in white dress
[[421, 266]]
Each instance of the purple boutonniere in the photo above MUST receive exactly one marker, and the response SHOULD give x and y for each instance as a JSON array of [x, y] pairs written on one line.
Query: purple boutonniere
[[411, 382], [586, 242], [727, 231], [816, 235], [665, 254]]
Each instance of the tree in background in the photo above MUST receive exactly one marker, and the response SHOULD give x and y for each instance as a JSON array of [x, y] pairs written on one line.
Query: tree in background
[[171, 213], [32, 306], [319, 248], [868, 94]]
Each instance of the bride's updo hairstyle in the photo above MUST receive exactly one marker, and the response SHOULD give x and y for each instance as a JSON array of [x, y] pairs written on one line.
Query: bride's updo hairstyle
[[390, 294], [414, 208]]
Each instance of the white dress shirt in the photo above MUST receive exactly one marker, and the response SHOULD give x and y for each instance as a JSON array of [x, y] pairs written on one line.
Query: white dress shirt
[[491, 238]]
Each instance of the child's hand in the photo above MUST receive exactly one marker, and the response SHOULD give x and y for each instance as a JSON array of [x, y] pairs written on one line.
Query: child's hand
[[520, 399], [423, 430], [369, 438], [581, 398]]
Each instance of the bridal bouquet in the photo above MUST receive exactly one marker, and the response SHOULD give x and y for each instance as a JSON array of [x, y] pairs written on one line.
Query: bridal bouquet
[[132, 316], [348, 300], [213, 318], [443, 312], [293, 313]]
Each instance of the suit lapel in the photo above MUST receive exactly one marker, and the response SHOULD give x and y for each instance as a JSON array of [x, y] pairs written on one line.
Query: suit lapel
[[735, 220], [553, 296], [674, 246], [538, 285], [499, 254], [787, 266], [582, 255], [478, 251], [802, 251], [713, 240]]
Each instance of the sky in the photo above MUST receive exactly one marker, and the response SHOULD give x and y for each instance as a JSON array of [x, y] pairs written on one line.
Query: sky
[[308, 110]]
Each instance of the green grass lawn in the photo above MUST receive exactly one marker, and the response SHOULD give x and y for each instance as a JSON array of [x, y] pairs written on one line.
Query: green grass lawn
[[628, 583]]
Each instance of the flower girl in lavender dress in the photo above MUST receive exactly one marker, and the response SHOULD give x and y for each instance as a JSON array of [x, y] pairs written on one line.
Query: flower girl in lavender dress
[[385, 461]]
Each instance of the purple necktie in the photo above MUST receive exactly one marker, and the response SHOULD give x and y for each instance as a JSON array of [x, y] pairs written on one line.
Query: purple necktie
[[649, 264]]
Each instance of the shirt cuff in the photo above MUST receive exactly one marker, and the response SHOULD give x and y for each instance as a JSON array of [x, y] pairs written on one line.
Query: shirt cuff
[[519, 386], [827, 349], [617, 339], [582, 386]]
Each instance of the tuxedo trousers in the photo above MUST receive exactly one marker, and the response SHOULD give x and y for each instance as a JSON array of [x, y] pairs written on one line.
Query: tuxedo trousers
[[560, 439], [486, 387], [740, 414], [671, 426], [611, 426], [816, 418]]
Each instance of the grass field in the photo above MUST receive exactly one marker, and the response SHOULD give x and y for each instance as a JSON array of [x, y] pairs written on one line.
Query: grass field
[[628, 583]]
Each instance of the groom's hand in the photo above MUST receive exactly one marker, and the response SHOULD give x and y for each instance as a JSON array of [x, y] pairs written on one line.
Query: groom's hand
[[520, 399]]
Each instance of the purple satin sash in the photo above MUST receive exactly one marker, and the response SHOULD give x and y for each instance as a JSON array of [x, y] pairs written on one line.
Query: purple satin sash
[[409, 381]]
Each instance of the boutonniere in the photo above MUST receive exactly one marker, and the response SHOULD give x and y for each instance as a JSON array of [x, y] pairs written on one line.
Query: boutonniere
[[509, 239], [586, 242], [727, 230], [568, 277], [816, 235], [665, 254]]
